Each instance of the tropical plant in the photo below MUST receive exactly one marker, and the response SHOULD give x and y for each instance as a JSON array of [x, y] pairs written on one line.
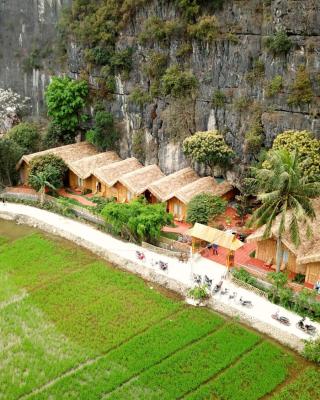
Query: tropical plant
[[208, 148], [204, 207], [278, 280], [50, 168], [199, 293], [308, 151], [40, 181], [27, 136], [285, 192], [66, 99]]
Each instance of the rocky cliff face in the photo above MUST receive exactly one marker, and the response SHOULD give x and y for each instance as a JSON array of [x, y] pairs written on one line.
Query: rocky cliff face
[[237, 64]]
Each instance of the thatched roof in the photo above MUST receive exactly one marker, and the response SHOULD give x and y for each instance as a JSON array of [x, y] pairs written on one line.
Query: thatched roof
[[202, 185], [164, 188], [111, 173], [212, 235], [84, 167], [309, 249], [69, 153], [138, 181]]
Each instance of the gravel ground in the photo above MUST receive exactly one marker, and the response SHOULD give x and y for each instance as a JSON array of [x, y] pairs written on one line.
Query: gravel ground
[[178, 277]]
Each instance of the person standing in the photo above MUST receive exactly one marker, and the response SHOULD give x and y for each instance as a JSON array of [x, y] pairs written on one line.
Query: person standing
[[215, 249]]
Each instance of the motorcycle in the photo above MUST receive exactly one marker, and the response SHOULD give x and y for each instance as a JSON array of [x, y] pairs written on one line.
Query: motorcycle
[[281, 318], [163, 266], [233, 295], [197, 279], [224, 291], [208, 281], [308, 328], [217, 287], [245, 303], [140, 255]]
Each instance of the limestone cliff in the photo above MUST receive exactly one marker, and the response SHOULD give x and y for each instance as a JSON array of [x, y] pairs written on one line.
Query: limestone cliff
[[235, 72]]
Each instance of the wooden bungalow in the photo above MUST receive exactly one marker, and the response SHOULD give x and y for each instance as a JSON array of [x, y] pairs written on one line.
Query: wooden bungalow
[[304, 259], [106, 179], [69, 153], [81, 171], [135, 183], [165, 188], [178, 203]]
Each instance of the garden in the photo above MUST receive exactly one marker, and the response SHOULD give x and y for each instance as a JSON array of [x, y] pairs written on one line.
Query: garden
[[73, 327]]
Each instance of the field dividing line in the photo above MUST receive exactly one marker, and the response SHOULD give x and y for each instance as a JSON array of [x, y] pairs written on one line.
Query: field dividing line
[[235, 362], [14, 299], [91, 361], [134, 377]]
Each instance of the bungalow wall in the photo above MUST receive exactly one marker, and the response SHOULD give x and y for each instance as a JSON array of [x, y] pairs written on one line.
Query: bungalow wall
[[77, 183], [312, 273], [24, 173], [123, 193], [177, 208], [229, 195], [267, 250]]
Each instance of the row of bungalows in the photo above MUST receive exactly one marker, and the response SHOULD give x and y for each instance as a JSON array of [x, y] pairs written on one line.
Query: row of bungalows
[[107, 175], [304, 259]]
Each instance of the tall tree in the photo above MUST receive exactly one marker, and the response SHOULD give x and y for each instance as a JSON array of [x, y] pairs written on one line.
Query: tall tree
[[284, 191]]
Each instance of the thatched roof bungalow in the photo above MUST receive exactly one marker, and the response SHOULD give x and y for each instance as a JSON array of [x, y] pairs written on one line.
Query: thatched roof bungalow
[[135, 183], [107, 178], [180, 198], [69, 153], [81, 171], [304, 259]]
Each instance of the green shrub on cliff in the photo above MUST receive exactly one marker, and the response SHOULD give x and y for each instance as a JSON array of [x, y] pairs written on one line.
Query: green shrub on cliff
[[301, 90], [103, 134], [178, 83], [279, 43]]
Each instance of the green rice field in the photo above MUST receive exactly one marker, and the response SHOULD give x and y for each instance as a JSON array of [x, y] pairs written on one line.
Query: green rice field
[[74, 328]]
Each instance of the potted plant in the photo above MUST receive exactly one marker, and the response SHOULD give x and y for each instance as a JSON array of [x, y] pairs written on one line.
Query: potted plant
[[198, 296]]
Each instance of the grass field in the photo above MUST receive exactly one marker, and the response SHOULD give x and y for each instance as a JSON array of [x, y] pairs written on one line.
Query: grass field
[[73, 328]]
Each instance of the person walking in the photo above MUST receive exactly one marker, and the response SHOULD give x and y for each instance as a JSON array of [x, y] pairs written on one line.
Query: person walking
[[215, 249]]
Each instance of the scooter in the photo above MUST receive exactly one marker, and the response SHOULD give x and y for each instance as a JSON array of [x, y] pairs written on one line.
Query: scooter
[[224, 291], [308, 328], [245, 303], [197, 279], [233, 295], [140, 255], [283, 320], [208, 281], [163, 266]]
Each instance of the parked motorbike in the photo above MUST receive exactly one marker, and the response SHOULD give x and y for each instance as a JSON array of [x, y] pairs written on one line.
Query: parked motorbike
[[233, 295], [224, 291], [281, 318], [308, 328], [217, 287], [208, 281], [140, 255], [163, 265], [245, 303], [197, 279]]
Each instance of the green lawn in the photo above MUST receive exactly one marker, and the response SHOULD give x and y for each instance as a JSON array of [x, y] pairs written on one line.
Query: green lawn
[[73, 328]]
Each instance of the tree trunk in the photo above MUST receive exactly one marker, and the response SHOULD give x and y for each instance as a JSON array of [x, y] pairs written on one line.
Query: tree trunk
[[42, 196], [279, 253]]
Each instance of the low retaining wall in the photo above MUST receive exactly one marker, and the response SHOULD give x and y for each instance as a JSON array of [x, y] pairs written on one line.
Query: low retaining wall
[[174, 245], [247, 286], [160, 250]]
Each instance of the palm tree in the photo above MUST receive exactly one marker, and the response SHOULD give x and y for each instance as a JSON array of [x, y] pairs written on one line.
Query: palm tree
[[282, 188], [40, 180]]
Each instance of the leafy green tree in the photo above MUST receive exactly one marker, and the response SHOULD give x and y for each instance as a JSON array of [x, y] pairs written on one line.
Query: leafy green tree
[[308, 151], [137, 221], [66, 99], [204, 207], [40, 181], [279, 281], [49, 168], [285, 192], [103, 135], [178, 83], [208, 148], [27, 136], [10, 153]]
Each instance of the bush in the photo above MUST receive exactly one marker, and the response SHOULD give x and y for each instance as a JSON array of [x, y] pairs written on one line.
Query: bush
[[139, 97], [301, 89], [275, 86], [121, 61], [137, 221], [66, 100], [209, 148], [257, 72], [139, 145], [244, 276], [103, 135], [206, 29], [158, 30], [218, 99], [312, 350], [204, 207], [156, 65], [10, 153], [53, 168], [27, 136], [279, 43], [178, 83], [255, 135], [199, 293]]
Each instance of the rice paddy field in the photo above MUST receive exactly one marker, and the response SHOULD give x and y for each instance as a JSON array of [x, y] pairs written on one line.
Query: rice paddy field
[[72, 327]]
